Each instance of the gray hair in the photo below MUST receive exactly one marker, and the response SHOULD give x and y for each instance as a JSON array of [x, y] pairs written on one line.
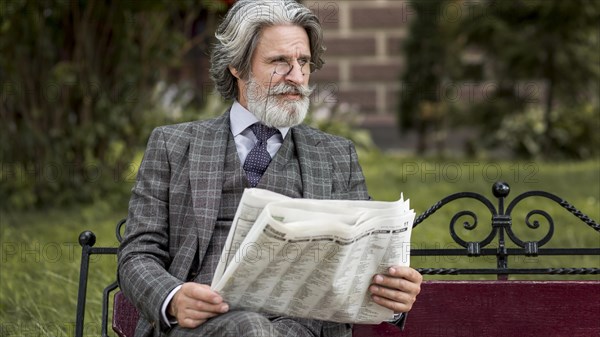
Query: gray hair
[[238, 35]]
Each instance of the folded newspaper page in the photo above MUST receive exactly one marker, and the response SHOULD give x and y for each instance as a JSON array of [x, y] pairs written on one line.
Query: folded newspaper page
[[312, 258]]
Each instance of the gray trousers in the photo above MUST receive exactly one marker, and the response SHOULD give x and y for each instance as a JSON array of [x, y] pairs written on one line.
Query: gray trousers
[[251, 324]]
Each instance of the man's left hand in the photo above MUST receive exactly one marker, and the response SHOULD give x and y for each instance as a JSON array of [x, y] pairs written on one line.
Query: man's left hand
[[398, 289]]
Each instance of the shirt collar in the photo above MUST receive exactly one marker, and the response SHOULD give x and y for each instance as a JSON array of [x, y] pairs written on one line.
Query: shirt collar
[[240, 119]]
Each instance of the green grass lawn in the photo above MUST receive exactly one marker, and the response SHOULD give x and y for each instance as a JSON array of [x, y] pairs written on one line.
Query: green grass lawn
[[40, 269], [40, 255]]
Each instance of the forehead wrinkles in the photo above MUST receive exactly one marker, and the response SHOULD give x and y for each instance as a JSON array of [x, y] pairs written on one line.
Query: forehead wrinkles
[[288, 41]]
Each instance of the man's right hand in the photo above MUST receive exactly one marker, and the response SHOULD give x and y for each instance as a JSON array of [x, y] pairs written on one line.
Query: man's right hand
[[194, 304]]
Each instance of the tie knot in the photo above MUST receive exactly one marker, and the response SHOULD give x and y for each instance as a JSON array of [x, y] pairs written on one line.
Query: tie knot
[[262, 132]]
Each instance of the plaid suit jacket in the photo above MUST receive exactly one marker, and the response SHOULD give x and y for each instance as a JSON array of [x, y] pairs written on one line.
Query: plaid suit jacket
[[176, 197]]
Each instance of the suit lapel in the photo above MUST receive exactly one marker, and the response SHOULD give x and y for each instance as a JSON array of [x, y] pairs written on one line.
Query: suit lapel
[[315, 163], [207, 158], [282, 158]]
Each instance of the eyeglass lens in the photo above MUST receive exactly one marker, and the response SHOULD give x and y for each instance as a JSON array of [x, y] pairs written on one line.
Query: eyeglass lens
[[284, 68]]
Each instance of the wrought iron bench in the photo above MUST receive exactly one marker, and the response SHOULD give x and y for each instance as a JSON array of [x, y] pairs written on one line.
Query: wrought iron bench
[[499, 307]]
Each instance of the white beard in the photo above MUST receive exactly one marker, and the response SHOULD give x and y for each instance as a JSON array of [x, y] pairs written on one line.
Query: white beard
[[275, 111]]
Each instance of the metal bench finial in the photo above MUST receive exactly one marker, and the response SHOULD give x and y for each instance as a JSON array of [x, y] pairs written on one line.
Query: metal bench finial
[[500, 189], [87, 238]]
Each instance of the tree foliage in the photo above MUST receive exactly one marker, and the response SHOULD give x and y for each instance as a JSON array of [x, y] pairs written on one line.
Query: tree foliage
[[540, 68], [544, 56], [431, 61], [76, 83]]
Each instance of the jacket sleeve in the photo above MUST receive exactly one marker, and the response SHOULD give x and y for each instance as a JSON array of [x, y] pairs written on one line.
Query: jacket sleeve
[[143, 257]]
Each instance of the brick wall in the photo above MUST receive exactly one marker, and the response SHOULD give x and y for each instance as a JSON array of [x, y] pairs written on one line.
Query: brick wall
[[363, 59]]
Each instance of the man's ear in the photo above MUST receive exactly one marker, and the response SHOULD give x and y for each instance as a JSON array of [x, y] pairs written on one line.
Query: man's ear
[[234, 72]]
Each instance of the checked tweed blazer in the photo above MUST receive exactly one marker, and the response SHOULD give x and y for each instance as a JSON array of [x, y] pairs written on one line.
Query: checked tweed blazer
[[176, 198]]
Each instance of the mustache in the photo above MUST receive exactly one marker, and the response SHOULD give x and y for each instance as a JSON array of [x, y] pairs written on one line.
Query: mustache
[[286, 88]]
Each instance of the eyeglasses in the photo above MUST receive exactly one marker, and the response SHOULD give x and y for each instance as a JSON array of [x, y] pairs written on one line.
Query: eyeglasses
[[284, 68]]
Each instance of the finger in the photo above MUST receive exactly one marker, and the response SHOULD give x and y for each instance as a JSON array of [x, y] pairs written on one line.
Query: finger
[[410, 284], [391, 294], [392, 282], [192, 318], [202, 292], [201, 306], [393, 305], [406, 273]]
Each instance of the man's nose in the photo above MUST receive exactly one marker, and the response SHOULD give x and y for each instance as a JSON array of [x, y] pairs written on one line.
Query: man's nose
[[295, 75]]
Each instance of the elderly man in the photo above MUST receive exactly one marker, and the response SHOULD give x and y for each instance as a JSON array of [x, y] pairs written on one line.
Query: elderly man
[[193, 175]]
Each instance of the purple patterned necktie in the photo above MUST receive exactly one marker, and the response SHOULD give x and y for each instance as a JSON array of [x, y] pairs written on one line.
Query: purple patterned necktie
[[258, 158]]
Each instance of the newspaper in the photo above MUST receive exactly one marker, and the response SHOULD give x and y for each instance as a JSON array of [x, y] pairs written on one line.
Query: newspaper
[[312, 258]]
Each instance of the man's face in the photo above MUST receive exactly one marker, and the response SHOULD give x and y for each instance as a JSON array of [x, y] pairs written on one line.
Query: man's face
[[278, 99]]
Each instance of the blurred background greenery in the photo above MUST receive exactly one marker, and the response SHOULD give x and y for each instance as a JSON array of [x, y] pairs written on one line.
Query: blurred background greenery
[[540, 71], [84, 82]]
